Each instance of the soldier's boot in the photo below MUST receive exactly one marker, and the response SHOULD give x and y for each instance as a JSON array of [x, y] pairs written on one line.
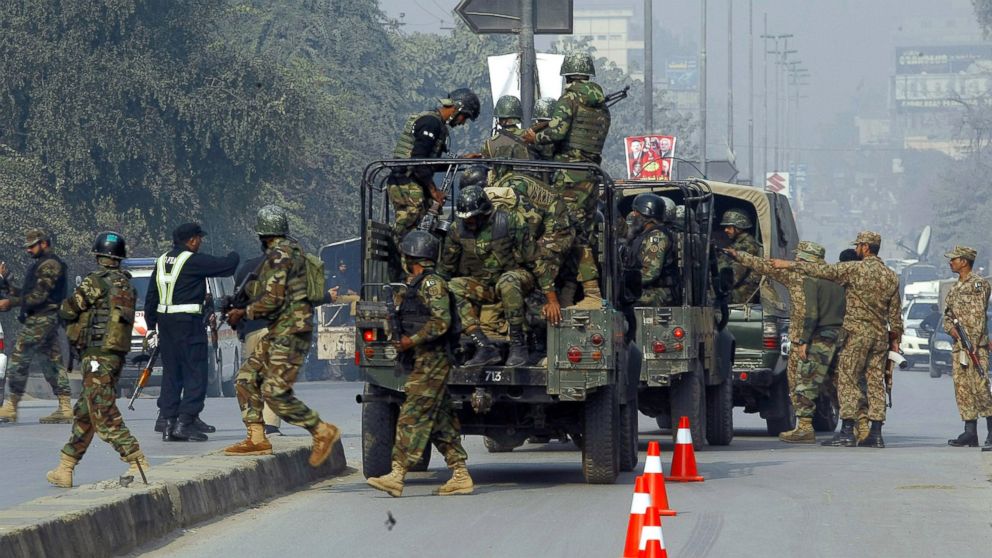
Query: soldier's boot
[[968, 438], [988, 439], [61, 476], [255, 443], [392, 483], [62, 415], [802, 434], [324, 438], [844, 438], [134, 460], [874, 439], [861, 429], [592, 299], [519, 354], [8, 413], [485, 352], [459, 483]]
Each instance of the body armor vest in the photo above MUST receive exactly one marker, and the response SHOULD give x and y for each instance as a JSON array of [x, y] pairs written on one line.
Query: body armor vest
[[414, 314], [473, 262], [404, 147], [590, 126], [633, 264], [107, 324], [57, 294]]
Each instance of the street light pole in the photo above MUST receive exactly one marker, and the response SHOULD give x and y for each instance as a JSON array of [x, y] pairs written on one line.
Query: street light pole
[[730, 76], [702, 89], [648, 66]]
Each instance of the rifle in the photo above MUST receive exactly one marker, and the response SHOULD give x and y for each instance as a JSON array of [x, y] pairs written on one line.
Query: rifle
[[391, 316], [240, 298], [966, 343], [146, 373], [430, 222]]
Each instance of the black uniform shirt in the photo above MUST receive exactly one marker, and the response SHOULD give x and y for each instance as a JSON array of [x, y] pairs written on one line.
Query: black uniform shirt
[[426, 131], [190, 287]]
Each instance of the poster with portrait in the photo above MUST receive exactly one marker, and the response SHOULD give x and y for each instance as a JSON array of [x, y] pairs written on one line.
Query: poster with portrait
[[649, 157]]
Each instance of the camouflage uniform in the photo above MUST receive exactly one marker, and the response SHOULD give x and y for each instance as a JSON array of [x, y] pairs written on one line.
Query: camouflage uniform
[[745, 283], [969, 300], [506, 143], [654, 253], [407, 188]]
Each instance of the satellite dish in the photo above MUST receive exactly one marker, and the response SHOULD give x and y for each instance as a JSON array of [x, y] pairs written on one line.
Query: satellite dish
[[923, 244]]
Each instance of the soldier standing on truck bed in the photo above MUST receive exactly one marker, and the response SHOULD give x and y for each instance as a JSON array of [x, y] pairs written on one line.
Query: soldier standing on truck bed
[[873, 325], [427, 415], [39, 298], [651, 273], [100, 314], [737, 225]]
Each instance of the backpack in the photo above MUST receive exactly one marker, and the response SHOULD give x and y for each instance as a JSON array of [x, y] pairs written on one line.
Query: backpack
[[315, 278]]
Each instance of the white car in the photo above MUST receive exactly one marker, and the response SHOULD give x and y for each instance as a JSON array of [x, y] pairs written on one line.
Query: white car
[[915, 344]]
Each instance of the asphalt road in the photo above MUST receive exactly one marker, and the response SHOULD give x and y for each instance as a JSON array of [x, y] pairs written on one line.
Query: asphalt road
[[918, 497]]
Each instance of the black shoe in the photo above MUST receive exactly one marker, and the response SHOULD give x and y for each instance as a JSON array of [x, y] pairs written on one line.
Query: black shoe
[[485, 352], [874, 439], [845, 438], [203, 427], [160, 423], [968, 438], [271, 430], [518, 355], [170, 424], [186, 432]]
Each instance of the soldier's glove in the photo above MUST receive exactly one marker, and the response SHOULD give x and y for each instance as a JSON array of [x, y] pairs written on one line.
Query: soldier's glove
[[151, 340]]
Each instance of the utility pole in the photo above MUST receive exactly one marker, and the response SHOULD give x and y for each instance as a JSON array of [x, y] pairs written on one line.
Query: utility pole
[[648, 67], [750, 90], [730, 77], [784, 53], [764, 148], [702, 90], [527, 58]]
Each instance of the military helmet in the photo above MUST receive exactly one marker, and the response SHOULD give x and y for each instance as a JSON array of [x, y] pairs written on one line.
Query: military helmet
[[34, 236], [578, 64], [420, 245], [736, 218], [509, 106], [110, 244], [465, 100], [476, 175], [656, 207], [272, 221], [544, 108], [473, 201]]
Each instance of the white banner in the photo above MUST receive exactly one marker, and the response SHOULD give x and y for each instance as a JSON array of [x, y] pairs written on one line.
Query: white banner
[[504, 75]]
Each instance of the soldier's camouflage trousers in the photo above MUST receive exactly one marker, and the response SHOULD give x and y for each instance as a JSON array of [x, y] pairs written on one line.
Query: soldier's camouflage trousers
[[96, 409], [813, 372], [268, 377], [38, 338], [971, 389], [511, 288], [580, 198], [427, 415], [863, 356], [409, 205]]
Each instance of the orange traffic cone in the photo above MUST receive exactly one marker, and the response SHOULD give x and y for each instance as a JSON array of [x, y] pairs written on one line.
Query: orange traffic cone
[[684, 460], [654, 478], [640, 503], [651, 536]]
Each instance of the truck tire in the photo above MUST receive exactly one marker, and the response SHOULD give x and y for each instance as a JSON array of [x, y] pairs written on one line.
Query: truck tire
[[496, 447], [601, 434], [787, 420], [934, 371], [826, 415], [720, 413], [628, 435], [687, 399], [378, 433]]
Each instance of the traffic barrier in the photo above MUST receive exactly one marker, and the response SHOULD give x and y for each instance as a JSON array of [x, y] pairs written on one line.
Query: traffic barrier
[[651, 536], [684, 459], [654, 478], [638, 506]]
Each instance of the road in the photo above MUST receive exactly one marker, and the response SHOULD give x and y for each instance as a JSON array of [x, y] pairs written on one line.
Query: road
[[918, 497]]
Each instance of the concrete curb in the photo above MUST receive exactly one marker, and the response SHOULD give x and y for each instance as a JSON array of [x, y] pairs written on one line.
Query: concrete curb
[[106, 519]]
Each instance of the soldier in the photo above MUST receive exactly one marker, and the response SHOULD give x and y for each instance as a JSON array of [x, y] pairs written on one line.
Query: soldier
[[578, 130], [43, 290], [269, 373], [544, 108], [486, 252], [651, 250], [425, 136], [427, 414], [873, 326], [744, 289], [968, 301], [506, 142], [100, 314]]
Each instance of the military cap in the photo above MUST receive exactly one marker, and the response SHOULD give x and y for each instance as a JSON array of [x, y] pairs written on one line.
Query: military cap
[[868, 237], [34, 236], [810, 251], [187, 231], [962, 252]]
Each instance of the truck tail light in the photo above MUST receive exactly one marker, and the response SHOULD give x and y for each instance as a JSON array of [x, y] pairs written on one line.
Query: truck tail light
[[369, 353], [368, 335], [1, 344], [596, 339], [678, 332], [597, 355], [358, 358], [659, 347], [574, 355], [679, 347], [769, 335]]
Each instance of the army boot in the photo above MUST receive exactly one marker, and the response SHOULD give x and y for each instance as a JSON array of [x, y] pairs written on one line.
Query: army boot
[[802, 434], [255, 443], [392, 483], [485, 352], [874, 439], [519, 354], [861, 428], [988, 439], [62, 415], [844, 438], [592, 299], [459, 483], [61, 476], [134, 460], [8, 413], [325, 435], [968, 438]]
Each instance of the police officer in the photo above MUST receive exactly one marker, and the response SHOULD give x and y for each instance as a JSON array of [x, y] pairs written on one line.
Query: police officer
[[43, 290], [100, 314], [270, 371], [427, 415], [736, 225], [175, 305]]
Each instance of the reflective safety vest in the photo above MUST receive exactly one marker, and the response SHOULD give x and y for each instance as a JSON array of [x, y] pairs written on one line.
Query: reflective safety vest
[[166, 282]]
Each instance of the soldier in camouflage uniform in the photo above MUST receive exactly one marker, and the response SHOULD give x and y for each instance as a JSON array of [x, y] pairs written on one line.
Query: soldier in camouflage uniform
[[486, 252], [280, 295], [578, 129], [873, 325], [427, 414], [43, 290], [968, 301], [736, 224], [425, 136], [650, 269], [544, 109], [100, 314], [507, 142]]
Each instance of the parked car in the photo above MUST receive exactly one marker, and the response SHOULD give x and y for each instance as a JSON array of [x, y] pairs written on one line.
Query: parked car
[[941, 344]]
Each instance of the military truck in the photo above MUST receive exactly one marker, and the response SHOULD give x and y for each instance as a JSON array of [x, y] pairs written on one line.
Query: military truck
[[586, 388], [333, 354]]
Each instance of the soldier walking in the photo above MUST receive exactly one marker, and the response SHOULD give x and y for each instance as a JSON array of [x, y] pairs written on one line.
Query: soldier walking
[[968, 302], [43, 290], [737, 226], [100, 314], [427, 415]]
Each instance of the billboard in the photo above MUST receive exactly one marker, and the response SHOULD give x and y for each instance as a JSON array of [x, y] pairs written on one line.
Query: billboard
[[682, 74], [649, 157], [940, 77]]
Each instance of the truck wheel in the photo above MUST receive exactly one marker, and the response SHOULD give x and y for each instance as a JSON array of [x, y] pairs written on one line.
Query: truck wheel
[[826, 415], [496, 447], [688, 400], [378, 433], [787, 420], [720, 413], [934, 371], [601, 433], [628, 435]]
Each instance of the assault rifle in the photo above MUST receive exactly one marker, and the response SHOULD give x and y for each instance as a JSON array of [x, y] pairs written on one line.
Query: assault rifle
[[240, 298], [391, 316], [431, 222], [146, 373], [966, 343]]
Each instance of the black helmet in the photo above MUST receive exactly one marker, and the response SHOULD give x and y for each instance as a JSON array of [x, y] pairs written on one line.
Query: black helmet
[[110, 244], [420, 245], [476, 175], [465, 100], [656, 207], [473, 201]]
